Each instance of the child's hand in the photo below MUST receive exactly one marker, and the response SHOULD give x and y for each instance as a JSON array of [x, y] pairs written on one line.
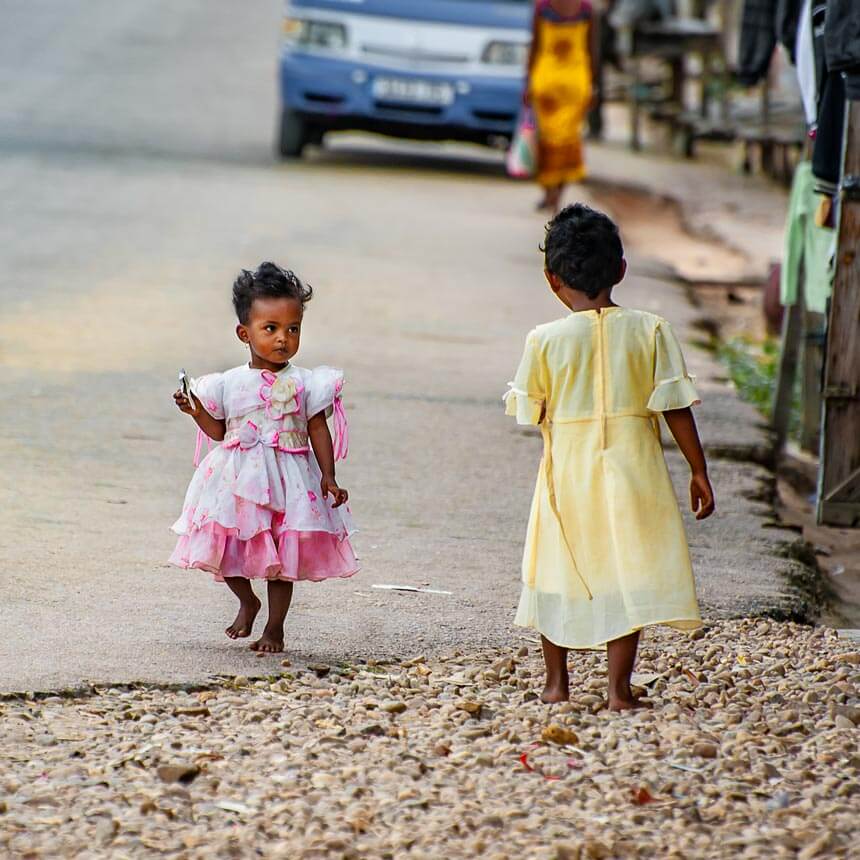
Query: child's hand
[[701, 496], [329, 486], [185, 405]]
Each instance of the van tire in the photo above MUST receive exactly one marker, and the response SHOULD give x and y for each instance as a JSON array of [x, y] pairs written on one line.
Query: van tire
[[293, 136]]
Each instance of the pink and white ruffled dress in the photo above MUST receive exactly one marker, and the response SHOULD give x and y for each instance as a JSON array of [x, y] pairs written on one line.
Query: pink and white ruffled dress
[[254, 507]]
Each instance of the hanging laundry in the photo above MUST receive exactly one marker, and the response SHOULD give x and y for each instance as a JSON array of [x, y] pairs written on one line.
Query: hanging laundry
[[807, 245], [787, 21], [842, 42], [804, 60], [827, 152], [757, 40]]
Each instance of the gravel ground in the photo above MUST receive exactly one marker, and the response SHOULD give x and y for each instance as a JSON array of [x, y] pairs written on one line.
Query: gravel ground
[[751, 751]]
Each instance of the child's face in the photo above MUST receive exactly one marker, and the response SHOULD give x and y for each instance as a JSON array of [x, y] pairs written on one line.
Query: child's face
[[273, 331]]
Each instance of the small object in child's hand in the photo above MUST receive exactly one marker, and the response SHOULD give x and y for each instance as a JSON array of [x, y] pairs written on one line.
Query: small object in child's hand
[[185, 384]]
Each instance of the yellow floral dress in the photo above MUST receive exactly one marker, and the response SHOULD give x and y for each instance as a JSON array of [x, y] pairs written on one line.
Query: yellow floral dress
[[560, 86], [605, 552]]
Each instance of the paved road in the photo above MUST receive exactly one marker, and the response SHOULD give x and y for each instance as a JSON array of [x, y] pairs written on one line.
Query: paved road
[[136, 176]]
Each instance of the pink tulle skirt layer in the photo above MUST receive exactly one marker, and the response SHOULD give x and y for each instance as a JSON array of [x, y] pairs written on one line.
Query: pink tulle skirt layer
[[292, 556]]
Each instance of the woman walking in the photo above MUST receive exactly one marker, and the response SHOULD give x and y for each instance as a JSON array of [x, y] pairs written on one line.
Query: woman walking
[[559, 90]]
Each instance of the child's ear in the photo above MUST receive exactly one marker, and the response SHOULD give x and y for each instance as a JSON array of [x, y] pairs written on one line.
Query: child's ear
[[622, 271], [553, 280], [242, 333]]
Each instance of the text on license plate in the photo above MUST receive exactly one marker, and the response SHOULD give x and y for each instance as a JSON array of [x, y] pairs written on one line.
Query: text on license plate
[[419, 92]]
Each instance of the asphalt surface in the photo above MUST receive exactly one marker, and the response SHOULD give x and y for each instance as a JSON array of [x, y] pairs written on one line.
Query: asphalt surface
[[136, 177]]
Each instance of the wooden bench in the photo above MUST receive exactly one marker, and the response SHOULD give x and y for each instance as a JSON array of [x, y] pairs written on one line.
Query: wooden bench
[[670, 41]]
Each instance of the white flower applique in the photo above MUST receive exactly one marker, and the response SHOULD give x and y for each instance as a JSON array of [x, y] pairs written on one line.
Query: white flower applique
[[280, 394]]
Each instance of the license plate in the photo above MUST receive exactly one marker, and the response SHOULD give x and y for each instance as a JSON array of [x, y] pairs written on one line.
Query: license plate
[[417, 92]]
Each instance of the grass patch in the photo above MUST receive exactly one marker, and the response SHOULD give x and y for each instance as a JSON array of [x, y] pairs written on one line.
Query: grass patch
[[753, 366]]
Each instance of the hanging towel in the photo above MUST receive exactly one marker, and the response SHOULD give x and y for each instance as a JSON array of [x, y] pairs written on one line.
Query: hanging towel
[[806, 244]]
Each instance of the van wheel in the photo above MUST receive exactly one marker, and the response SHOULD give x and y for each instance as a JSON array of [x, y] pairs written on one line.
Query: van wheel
[[294, 135]]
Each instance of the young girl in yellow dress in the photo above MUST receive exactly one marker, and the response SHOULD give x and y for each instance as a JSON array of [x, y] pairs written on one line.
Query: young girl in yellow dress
[[605, 552]]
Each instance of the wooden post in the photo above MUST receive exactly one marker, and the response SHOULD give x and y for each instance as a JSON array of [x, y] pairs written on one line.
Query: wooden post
[[839, 467], [812, 365], [792, 323]]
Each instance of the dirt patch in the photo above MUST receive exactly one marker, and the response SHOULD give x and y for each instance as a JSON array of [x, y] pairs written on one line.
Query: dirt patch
[[654, 227], [720, 280], [837, 551]]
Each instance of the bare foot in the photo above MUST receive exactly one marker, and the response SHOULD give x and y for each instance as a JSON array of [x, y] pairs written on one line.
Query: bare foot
[[244, 623], [269, 642], [553, 693], [630, 703]]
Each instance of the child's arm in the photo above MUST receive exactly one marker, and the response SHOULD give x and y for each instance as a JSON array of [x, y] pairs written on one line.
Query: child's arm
[[683, 427], [214, 428], [324, 451]]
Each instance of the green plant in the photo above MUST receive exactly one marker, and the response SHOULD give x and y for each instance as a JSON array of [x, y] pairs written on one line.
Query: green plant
[[753, 367]]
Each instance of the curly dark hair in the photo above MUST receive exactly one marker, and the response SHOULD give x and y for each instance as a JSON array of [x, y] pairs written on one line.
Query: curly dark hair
[[583, 248], [269, 281]]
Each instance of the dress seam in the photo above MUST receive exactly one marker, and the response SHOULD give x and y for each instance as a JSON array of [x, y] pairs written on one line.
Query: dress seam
[[602, 358], [608, 415]]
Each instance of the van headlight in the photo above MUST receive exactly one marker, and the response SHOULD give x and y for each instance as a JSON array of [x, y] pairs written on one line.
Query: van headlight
[[505, 54], [328, 35]]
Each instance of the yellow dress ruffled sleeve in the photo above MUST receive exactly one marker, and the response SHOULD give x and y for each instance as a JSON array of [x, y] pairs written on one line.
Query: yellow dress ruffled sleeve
[[526, 395], [674, 386]]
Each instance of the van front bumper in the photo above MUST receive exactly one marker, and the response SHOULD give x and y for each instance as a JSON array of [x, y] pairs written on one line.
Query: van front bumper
[[339, 94]]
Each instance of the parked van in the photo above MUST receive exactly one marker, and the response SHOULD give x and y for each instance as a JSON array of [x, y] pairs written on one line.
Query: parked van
[[421, 69]]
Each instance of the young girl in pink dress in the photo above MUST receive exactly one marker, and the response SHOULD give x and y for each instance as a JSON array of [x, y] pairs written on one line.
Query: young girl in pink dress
[[265, 504]]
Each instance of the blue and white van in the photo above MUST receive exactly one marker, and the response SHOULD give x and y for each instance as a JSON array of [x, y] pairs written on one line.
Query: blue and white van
[[422, 69]]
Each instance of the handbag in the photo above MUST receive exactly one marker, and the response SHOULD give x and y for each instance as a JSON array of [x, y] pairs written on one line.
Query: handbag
[[521, 161]]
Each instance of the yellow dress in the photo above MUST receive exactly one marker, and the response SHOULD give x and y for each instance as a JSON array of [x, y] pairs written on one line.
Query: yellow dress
[[560, 86], [605, 551]]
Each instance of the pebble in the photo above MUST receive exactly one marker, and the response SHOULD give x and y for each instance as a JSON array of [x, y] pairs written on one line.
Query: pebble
[[705, 750], [750, 752], [558, 735], [184, 773]]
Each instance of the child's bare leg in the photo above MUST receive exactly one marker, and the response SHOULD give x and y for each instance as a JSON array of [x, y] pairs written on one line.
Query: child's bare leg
[[280, 596], [249, 606], [621, 654], [557, 681]]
